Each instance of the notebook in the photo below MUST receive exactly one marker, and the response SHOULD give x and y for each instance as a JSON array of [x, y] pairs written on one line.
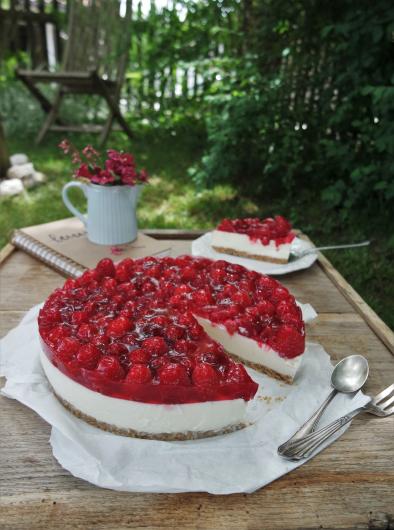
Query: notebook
[[64, 246]]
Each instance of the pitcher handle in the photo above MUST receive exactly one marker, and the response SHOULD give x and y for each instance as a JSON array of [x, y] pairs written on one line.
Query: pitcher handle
[[69, 204]]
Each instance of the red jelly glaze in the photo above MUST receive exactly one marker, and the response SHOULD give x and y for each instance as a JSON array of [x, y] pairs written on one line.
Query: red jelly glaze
[[263, 231], [145, 344]]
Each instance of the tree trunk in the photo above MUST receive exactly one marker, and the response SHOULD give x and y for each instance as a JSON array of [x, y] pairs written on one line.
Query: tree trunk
[[4, 160]]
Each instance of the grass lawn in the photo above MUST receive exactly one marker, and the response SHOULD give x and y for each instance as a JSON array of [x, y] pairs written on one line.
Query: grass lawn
[[172, 201]]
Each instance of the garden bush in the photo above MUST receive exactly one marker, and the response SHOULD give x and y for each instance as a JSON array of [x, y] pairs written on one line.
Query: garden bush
[[311, 106]]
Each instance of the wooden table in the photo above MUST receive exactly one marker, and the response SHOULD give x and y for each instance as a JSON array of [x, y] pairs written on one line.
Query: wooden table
[[349, 485]]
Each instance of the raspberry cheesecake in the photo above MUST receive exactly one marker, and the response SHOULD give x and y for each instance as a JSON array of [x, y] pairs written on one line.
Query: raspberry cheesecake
[[151, 347], [266, 240]]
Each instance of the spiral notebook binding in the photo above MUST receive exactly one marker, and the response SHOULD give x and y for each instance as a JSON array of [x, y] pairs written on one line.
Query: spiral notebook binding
[[65, 266]]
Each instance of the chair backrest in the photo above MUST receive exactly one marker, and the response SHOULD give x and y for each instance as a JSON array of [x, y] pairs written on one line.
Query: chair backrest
[[99, 35]]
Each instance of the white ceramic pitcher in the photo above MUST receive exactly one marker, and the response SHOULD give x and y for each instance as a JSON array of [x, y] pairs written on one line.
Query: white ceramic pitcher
[[111, 217]]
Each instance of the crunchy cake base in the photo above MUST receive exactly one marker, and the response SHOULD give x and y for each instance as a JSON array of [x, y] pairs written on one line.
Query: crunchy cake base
[[262, 369], [224, 250], [168, 437]]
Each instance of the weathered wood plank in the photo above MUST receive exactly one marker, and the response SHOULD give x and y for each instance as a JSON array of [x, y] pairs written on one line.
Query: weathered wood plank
[[338, 488], [376, 324], [342, 488], [6, 251]]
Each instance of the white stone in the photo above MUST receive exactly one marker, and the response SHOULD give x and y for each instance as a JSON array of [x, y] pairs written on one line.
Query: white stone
[[11, 187], [39, 177], [20, 172], [34, 179], [18, 159]]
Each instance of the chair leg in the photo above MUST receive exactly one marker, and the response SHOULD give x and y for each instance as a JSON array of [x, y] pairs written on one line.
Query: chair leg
[[106, 129], [114, 107], [52, 115]]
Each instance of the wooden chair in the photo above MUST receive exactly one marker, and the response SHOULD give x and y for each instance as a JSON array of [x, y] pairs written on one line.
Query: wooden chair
[[94, 62]]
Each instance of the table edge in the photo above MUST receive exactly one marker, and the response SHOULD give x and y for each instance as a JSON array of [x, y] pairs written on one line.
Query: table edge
[[375, 323]]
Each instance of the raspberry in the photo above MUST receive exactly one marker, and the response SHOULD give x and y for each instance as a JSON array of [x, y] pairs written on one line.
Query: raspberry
[[286, 308], [79, 316], [130, 339], [177, 301], [101, 341], [267, 284], [148, 287], [283, 226], [231, 326], [188, 274], [266, 308], [237, 374], [105, 267], [128, 309], [242, 298], [85, 278], [185, 346], [226, 226], [70, 284], [202, 297], [279, 294], [118, 327], [154, 272], [182, 289], [67, 348], [175, 332], [88, 356], [86, 331], [218, 275], [174, 374], [187, 319], [109, 285], [183, 261], [111, 368], [122, 273], [59, 332], [160, 321], [155, 345], [196, 331], [205, 374], [288, 341], [139, 356], [117, 349], [139, 374]]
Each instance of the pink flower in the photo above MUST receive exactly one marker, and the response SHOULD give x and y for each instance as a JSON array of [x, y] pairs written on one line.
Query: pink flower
[[90, 153], [143, 176], [102, 177], [65, 146], [119, 167], [129, 175], [127, 159], [84, 172], [114, 155], [117, 251], [115, 166]]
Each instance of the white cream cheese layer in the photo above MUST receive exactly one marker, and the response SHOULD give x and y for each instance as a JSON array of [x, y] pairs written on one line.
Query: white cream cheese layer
[[250, 350], [242, 243], [145, 417]]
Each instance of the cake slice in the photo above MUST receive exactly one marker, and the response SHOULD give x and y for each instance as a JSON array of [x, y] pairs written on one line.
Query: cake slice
[[157, 375], [266, 240]]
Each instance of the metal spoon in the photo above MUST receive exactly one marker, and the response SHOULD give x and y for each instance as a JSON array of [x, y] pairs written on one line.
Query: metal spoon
[[298, 254], [349, 375]]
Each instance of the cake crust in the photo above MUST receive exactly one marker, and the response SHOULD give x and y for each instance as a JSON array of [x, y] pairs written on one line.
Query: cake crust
[[240, 253], [131, 433], [262, 369]]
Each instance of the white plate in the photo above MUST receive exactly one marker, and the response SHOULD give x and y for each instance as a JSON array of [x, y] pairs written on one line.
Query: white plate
[[202, 247]]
